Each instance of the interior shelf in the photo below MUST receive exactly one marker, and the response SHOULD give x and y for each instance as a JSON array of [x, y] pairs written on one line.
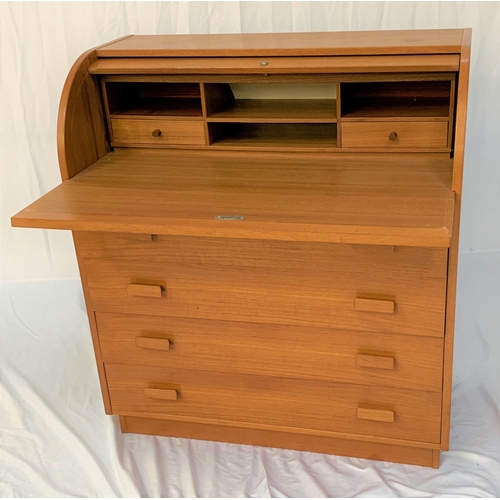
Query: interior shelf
[[397, 200], [133, 99], [396, 100], [274, 135], [437, 109], [160, 107], [277, 111]]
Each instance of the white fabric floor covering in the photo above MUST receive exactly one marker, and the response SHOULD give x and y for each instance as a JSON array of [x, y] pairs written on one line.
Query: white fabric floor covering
[[55, 440]]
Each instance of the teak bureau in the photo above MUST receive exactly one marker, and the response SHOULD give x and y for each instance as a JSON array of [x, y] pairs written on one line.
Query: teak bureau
[[267, 233]]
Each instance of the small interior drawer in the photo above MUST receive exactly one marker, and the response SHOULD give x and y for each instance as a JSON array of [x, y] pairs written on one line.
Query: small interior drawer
[[255, 400], [395, 134], [158, 131]]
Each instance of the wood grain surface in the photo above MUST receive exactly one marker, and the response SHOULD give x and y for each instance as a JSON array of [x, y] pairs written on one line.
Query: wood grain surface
[[289, 283], [374, 305], [136, 131], [275, 66], [261, 401], [81, 130], [448, 41], [375, 134], [322, 318], [376, 361], [94, 333], [385, 200], [458, 166], [275, 350], [279, 78], [282, 439], [134, 290], [277, 111], [376, 415]]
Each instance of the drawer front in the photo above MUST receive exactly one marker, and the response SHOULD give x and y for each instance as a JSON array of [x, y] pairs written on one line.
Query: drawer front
[[287, 65], [268, 401], [289, 283], [157, 131], [401, 361], [394, 135]]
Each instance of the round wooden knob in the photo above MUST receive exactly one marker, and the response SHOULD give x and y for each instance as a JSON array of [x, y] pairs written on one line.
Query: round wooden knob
[[393, 136], [156, 132]]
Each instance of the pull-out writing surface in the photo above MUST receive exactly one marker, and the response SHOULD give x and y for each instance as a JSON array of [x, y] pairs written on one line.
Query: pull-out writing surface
[[374, 200]]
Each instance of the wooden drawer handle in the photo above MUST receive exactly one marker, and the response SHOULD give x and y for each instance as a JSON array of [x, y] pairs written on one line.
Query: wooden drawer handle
[[373, 305], [141, 237], [163, 394], [372, 361], [153, 343], [393, 136], [143, 290], [376, 415], [360, 247], [157, 132]]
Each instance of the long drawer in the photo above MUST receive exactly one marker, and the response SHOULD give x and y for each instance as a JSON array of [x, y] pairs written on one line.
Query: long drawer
[[269, 401], [393, 290], [276, 350]]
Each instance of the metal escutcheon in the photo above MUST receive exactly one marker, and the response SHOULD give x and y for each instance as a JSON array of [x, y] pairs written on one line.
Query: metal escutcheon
[[229, 217]]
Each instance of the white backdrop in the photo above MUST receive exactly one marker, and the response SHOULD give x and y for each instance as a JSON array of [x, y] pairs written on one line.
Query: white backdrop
[[40, 41]]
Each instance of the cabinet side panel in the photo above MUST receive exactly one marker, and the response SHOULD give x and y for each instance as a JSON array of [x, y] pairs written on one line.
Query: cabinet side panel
[[93, 329], [81, 131], [461, 113], [458, 163]]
